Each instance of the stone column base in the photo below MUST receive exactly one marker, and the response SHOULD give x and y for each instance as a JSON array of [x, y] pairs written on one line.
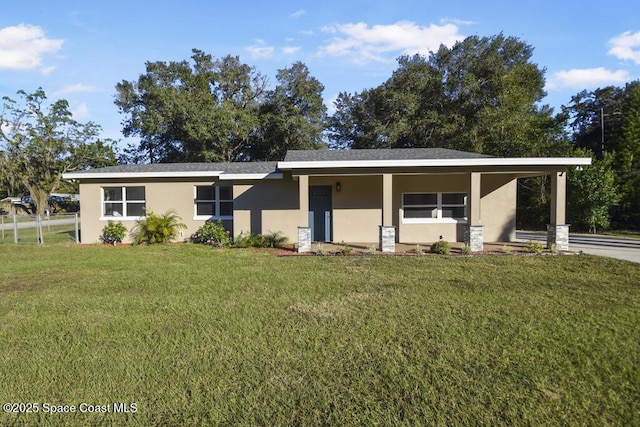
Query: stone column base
[[304, 239], [473, 237], [558, 235], [387, 238]]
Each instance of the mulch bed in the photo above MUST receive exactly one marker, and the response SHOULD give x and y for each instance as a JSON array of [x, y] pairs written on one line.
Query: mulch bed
[[291, 251]]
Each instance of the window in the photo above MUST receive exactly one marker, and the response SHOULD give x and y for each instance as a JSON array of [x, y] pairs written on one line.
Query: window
[[123, 202], [214, 201], [433, 207]]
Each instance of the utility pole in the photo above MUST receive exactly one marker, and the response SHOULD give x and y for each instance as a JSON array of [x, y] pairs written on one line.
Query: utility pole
[[615, 113], [602, 130]]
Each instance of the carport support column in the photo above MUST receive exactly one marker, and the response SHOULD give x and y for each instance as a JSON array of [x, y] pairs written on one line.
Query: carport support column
[[473, 231], [558, 231], [304, 230], [387, 234]]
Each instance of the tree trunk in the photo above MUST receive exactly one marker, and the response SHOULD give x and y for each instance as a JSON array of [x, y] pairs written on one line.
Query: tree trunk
[[41, 199]]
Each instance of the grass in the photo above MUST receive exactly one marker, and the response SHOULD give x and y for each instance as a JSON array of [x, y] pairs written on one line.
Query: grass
[[198, 336]]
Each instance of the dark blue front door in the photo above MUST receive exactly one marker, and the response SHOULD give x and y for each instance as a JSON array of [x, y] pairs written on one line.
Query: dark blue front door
[[320, 213]]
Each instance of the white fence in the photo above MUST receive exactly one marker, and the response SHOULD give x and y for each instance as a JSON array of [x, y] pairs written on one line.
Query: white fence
[[36, 229]]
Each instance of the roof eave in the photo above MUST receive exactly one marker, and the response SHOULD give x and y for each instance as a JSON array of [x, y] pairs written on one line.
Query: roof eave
[[480, 162], [250, 176], [118, 175]]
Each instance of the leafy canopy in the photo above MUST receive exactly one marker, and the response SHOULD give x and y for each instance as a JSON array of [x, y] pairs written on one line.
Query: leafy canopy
[[219, 110], [606, 121], [480, 95], [40, 142], [593, 192]]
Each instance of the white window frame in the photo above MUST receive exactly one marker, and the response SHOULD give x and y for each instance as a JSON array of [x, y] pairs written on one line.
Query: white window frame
[[439, 206], [217, 201], [124, 201]]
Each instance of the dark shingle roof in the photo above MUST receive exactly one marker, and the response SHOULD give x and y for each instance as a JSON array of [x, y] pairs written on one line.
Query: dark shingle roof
[[292, 156], [378, 154], [232, 168]]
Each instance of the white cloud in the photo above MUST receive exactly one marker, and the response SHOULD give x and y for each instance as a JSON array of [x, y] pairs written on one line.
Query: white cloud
[[331, 104], [6, 128], [22, 47], [586, 78], [47, 70], [364, 43], [290, 50], [626, 46], [298, 13], [81, 112], [456, 21], [76, 88], [260, 50]]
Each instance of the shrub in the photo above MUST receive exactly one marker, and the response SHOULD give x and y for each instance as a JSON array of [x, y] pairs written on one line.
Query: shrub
[[274, 239], [269, 240], [441, 247], [466, 250], [419, 250], [506, 249], [212, 233], [345, 249], [244, 240], [320, 249], [156, 228], [113, 232], [534, 247]]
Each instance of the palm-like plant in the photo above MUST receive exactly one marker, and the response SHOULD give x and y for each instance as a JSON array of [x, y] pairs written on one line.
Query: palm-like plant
[[156, 228]]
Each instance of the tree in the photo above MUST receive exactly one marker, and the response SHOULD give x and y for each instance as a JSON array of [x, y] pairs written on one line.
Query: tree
[[588, 112], [292, 116], [480, 95], [204, 112], [38, 144], [627, 159], [592, 192], [607, 122], [219, 110]]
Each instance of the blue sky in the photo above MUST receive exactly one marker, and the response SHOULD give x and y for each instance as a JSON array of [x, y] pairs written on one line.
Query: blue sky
[[79, 50]]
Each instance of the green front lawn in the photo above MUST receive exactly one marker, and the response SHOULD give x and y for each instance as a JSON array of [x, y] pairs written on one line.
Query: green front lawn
[[196, 336]]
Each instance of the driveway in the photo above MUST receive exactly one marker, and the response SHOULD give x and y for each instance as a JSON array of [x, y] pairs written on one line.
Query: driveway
[[595, 244]]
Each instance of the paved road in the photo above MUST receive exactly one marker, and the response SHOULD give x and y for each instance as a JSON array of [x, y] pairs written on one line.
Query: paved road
[[594, 244]]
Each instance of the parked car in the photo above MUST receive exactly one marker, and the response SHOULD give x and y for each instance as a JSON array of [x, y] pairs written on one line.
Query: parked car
[[57, 199], [57, 203]]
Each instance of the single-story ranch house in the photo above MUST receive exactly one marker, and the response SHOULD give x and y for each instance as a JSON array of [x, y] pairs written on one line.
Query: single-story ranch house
[[413, 195]]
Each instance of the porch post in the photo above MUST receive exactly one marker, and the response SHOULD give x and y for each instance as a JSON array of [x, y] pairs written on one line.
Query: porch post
[[304, 230], [473, 232], [387, 232], [558, 231]]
